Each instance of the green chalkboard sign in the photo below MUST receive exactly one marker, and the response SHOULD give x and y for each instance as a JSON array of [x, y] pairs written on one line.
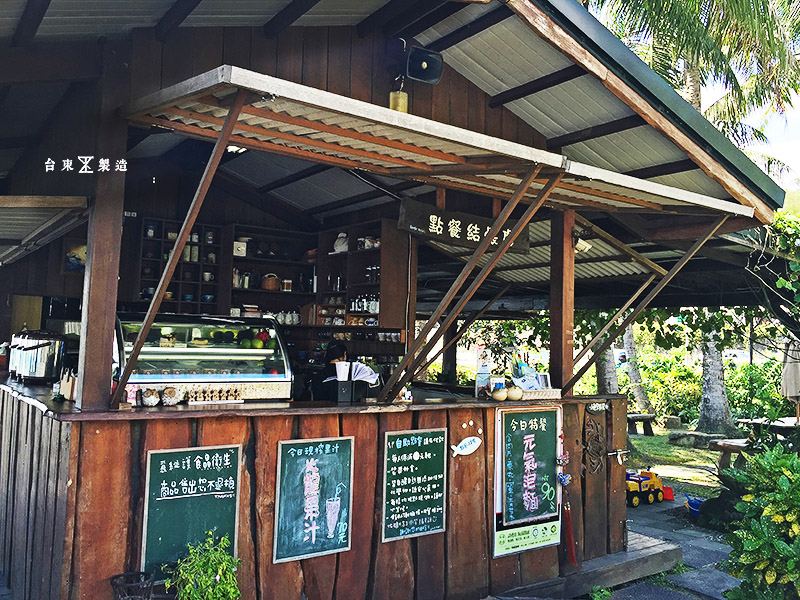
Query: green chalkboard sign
[[529, 470], [414, 483], [314, 498], [188, 491]]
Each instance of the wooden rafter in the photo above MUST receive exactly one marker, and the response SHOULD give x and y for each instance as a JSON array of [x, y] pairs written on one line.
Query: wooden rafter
[[29, 22], [414, 12], [299, 139], [288, 15], [364, 197], [595, 131], [678, 166], [537, 85], [428, 20], [244, 142], [465, 32], [615, 243], [293, 178], [172, 19], [229, 183]]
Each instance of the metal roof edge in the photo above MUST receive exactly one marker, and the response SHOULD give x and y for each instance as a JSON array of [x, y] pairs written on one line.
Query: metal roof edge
[[612, 52]]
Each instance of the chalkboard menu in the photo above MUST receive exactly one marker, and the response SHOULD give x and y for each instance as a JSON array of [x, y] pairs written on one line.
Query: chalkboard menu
[[188, 491], [530, 446], [414, 483], [313, 498]]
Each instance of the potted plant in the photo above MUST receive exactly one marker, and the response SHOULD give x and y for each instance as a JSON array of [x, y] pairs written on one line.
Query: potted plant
[[208, 572]]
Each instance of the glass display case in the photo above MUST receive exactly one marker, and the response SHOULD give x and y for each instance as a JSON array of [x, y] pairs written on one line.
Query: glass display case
[[202, 359]]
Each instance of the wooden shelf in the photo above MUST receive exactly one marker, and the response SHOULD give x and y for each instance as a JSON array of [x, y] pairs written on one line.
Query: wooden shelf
[[275, 261], [260, 291]]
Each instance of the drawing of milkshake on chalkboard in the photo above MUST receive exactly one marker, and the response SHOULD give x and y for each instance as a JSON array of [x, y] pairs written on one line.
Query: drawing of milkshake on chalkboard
[[313, 498]]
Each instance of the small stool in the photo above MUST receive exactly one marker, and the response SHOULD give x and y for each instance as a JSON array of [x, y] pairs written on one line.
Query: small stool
[[646, 421]]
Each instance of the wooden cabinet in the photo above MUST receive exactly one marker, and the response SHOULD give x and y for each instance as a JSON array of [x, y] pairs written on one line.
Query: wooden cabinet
[[194, 288]]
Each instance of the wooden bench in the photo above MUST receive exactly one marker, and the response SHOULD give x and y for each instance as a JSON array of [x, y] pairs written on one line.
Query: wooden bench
[[726, 448], [645, 420]]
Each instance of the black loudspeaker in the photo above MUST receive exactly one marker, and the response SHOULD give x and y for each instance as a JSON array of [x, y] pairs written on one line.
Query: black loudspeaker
[[424, 65]]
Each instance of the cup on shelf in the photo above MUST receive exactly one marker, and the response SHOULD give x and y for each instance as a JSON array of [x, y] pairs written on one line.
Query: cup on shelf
[[188, 297], [211, 258], [208, 276], [207, 298], [168, 295]]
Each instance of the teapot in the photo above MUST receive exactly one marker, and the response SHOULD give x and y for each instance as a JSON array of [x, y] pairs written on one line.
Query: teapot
[[340, 243], [270, 282]]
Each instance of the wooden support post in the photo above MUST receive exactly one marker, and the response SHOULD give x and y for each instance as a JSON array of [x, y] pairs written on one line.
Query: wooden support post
[[562, 298], [105, 231], [441, 198], [449, 374], [197, 203], [647, 299]]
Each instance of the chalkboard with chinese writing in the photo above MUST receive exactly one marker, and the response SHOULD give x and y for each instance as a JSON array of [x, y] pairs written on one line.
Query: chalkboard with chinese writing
[[414, 483], [188, 491], [313, 498], [529, 469]]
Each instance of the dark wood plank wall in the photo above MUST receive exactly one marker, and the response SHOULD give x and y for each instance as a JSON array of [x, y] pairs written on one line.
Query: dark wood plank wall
[[331, 58], [44, 520], [34, 496]]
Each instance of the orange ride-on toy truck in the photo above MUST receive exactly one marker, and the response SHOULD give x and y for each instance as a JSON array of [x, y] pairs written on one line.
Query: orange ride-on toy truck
[[644, 487]]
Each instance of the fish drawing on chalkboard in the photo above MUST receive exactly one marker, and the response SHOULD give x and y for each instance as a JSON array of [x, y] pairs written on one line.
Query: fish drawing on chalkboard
[[466, 446]]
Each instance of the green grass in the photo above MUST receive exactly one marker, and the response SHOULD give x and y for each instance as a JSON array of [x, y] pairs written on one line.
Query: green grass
[[688, 470]]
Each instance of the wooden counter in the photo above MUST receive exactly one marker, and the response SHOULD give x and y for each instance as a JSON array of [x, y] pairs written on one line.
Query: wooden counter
[[72, 483]]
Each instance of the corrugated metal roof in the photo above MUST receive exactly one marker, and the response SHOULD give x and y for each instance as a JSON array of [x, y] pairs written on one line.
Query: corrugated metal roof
[[509, 53], [31, 226], [81, 19], [302, 122]]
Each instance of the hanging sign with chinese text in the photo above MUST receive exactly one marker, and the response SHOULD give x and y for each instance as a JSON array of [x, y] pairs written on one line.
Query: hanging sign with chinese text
[[188, 491], [527, 492], [314, 496], [414, 483], [454, 228]]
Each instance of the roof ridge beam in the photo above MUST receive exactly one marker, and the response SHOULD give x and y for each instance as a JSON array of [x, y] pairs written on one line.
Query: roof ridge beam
[[595, 131], [537, 85], [465, 32], [287, 15], [172, 19]]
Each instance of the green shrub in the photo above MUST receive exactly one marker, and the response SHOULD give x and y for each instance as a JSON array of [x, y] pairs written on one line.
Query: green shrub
[[674, 387], [464, 375], [207, 573], [754, 390], [766, 542]]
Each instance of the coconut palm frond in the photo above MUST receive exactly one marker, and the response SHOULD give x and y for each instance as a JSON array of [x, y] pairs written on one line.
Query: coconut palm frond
[[772, 166]]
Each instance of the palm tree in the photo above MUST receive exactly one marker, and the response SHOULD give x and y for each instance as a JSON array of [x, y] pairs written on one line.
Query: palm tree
[[750, 46]]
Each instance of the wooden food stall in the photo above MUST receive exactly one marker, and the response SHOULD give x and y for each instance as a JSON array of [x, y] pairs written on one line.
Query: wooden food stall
[[446, 497]]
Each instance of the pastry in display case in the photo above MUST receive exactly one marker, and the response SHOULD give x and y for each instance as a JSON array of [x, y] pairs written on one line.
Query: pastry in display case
[[207, 360]]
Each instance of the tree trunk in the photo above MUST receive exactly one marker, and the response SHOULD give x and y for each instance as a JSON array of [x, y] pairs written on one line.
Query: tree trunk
[[715, 411], [693, 86], [606, 370], [639, 393]]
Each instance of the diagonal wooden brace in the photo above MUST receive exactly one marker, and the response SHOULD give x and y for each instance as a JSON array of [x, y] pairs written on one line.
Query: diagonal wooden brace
[[647, 299], [197, 203], [521, 225], [459, 281], [614, 319], [472, 318]]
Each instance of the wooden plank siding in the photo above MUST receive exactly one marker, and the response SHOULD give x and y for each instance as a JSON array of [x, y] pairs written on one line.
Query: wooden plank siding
[[74, 497], [31, 542], [330, 58]]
